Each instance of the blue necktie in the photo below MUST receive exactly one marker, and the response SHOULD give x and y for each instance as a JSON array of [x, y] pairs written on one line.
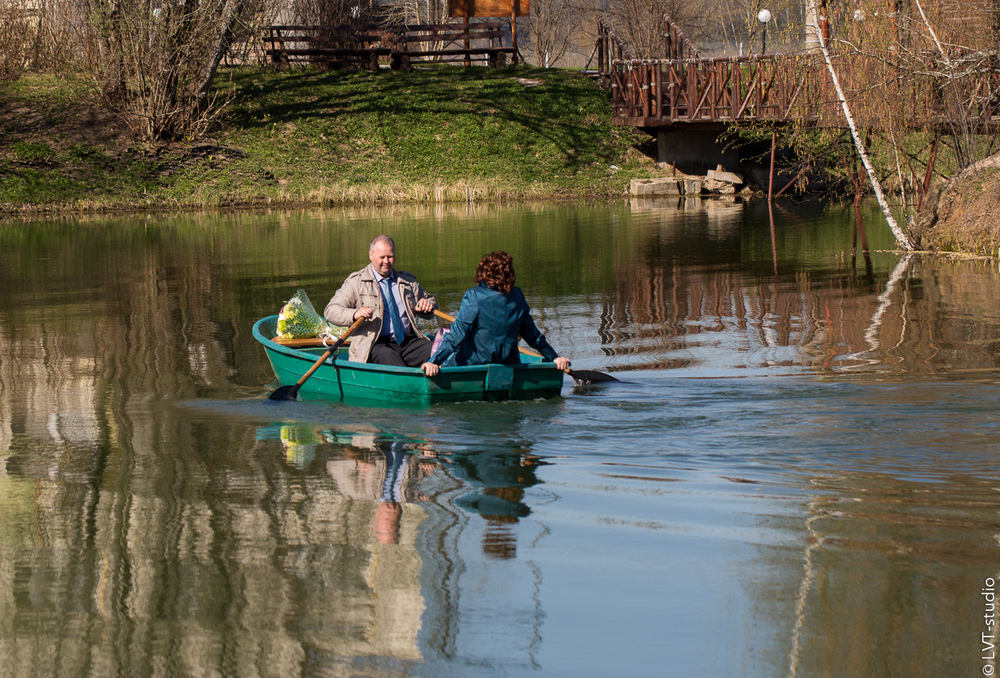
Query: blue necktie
[[397, 322]]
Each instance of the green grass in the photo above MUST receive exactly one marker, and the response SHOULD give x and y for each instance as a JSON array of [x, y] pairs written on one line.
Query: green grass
[[309, 136]]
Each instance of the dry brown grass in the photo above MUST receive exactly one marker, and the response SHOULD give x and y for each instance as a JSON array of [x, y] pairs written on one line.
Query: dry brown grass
[[963, 215]]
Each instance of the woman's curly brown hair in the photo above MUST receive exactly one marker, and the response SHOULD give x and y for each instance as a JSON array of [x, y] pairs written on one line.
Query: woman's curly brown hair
[[496, 270]]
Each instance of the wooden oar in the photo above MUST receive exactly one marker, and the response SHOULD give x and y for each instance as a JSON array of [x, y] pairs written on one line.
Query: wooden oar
[[579, 376], [289, 392]]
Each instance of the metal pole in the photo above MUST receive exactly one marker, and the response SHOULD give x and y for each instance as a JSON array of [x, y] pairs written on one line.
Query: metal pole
[[770, 183]]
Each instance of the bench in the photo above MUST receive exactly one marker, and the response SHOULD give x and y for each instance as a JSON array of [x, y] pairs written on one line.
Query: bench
[[351, 46], [445, 42], [361, 45]]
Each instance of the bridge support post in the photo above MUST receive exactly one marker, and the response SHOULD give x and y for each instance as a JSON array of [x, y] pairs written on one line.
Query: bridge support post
[[696, 150]]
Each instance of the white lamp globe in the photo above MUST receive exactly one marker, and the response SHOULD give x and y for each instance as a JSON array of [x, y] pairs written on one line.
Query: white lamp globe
[[763, 16]]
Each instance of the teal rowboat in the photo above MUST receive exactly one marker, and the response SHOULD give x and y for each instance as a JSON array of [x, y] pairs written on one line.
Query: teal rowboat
[[363, 383]]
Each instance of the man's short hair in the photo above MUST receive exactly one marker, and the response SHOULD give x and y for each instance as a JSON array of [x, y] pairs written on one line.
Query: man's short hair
[[382, 238]]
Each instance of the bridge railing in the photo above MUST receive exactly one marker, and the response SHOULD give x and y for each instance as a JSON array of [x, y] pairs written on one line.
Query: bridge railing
[[677, 44], [787, 88], [684, 88], [713, 90], [610, 48]]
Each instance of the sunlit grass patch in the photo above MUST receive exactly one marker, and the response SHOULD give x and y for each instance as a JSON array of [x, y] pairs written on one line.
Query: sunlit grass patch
[[438, 134]]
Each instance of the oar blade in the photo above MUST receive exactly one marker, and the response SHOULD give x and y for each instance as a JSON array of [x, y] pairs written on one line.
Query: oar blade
[[288, 392], [285, 392], [590, 377]]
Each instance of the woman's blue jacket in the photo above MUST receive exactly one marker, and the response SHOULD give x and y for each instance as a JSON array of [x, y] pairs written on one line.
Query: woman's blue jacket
[[487, 328]]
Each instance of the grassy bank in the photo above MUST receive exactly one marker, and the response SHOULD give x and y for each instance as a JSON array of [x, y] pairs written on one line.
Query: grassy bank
[[312, 137]]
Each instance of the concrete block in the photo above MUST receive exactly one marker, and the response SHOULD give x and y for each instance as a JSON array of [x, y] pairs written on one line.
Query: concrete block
[[692, 186], [716, 186], [727, 177], [650, 187]]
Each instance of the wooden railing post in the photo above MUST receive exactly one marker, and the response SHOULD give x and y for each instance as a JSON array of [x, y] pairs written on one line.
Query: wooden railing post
[[659, 90], [647, 108], [602, 66], [758, 84], [515, 5], [692, 88], [741, 85], [465, 11]]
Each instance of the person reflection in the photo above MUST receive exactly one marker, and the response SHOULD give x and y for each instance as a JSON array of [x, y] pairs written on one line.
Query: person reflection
[[499, 480], [385, 471], [389, 510]]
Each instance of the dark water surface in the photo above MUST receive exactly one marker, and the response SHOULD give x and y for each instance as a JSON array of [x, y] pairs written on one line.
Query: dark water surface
[[797, 475]]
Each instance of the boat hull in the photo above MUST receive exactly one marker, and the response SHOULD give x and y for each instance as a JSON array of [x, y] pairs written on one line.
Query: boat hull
[[364, 383]]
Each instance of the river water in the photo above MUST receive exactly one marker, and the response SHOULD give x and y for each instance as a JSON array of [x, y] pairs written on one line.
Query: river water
[[796, 475]]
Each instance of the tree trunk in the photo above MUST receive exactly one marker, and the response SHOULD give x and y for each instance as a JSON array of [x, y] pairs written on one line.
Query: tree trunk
[[812, 19], [227, 25], [901, 237]]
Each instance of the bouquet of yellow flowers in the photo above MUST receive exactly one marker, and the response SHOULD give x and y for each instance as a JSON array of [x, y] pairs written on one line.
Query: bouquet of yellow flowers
[[298, 319]]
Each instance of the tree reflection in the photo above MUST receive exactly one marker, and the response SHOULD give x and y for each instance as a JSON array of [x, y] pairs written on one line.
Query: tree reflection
[[757, 296]]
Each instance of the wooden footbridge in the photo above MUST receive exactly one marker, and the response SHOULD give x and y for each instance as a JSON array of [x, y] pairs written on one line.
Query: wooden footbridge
[[686, 91]]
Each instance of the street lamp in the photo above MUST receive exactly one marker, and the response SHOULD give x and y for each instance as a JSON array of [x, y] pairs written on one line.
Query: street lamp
[[763, 16]]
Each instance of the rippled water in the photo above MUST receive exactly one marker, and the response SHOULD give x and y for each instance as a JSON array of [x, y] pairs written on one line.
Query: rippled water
[[797, 474]]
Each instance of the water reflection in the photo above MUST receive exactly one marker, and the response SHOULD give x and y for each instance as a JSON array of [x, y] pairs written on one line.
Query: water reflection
[[371, 511], [418, 499], [304, 550], [917, 546], [384, 471], [388, 470], [155, 518], [498, 480], [701, 304]]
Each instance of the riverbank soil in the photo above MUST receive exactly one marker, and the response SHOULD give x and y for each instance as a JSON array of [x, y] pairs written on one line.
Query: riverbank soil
[[963, 213]]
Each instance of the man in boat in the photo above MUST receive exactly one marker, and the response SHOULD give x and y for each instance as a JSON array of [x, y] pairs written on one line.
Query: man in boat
[[391, 300]]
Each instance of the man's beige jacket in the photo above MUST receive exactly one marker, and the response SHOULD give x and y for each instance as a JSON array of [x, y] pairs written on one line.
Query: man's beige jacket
[[361, 289]]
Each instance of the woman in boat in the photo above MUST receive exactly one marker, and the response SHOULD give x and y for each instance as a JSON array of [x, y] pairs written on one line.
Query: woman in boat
[[492, 317]]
